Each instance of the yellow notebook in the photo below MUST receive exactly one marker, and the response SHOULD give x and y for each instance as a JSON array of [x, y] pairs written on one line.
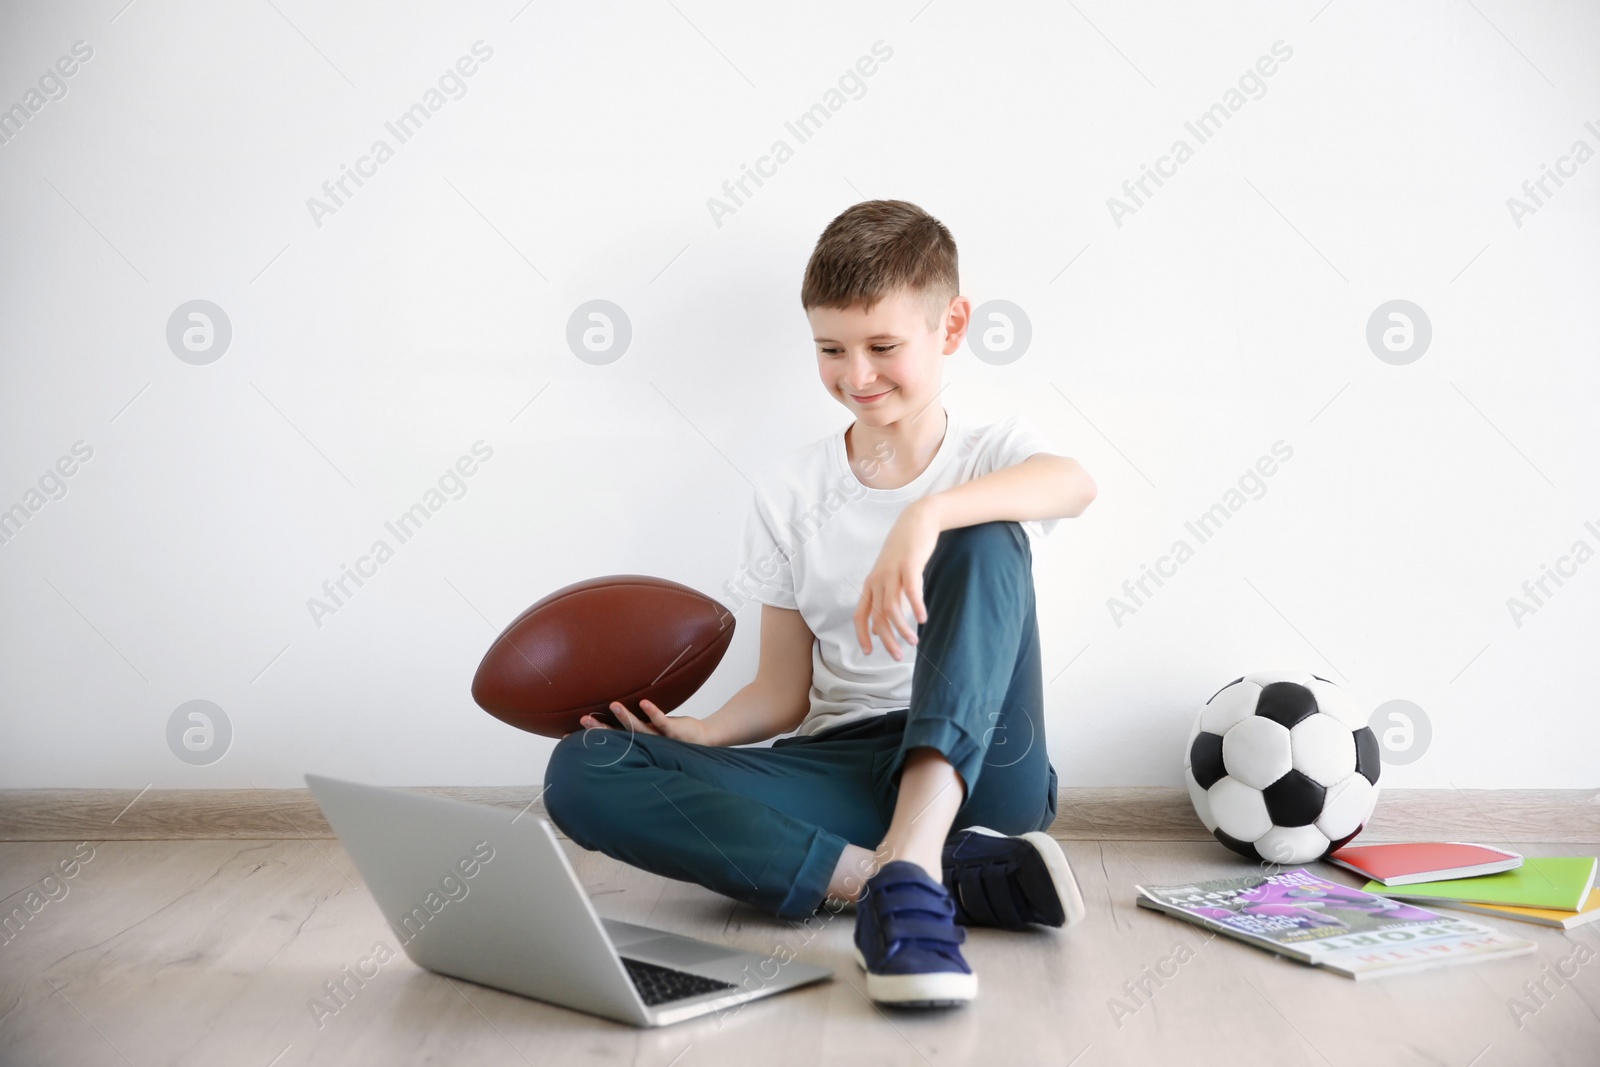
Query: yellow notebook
[[1566, 920]]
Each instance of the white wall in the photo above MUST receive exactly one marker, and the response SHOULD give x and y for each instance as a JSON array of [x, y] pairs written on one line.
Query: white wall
[[1168, 353]]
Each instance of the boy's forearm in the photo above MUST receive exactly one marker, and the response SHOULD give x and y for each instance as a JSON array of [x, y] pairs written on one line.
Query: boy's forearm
[[750, 715], [1043, 486]]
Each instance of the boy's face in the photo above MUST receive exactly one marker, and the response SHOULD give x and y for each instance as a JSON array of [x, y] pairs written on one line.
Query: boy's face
[[888, 351]]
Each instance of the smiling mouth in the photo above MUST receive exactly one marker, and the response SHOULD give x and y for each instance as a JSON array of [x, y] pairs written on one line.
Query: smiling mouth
[[870, 396]]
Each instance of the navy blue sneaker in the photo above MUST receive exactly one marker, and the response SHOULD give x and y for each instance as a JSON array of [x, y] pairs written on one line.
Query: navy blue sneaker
[[1010, 882], [907, 940]]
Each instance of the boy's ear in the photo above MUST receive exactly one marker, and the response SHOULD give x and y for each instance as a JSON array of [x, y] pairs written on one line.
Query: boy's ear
[[958, 320]]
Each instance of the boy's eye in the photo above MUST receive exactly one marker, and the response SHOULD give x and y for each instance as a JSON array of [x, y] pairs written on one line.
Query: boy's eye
[[880, 349]]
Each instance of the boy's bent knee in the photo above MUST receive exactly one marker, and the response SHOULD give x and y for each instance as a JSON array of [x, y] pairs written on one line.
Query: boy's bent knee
[[996, 539], [577, 770]]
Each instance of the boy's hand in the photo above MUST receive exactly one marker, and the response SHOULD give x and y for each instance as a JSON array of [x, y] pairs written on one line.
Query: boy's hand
[[678, 727], [897, 573]]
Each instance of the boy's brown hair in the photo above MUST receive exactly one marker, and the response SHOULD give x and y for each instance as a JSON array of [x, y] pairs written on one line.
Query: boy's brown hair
[[876, 248]]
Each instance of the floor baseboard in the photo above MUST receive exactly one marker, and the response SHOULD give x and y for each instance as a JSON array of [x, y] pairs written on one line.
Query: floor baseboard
[[1124, 813]]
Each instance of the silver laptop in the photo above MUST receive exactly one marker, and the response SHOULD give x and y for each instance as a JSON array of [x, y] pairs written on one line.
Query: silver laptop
[[488, 895]]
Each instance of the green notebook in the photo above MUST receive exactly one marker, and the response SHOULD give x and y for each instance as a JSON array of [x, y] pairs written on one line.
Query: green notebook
[[1541, 882]]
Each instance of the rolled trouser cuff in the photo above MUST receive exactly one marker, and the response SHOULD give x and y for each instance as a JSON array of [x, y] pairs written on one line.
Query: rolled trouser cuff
[[951, 738]]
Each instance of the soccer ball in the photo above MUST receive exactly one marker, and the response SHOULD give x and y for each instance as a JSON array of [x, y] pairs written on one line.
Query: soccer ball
[[1281, 766]]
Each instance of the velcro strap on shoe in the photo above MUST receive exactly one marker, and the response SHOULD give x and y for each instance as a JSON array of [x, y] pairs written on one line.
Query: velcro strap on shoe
[[912, 927], [986, 895], [913, 894]]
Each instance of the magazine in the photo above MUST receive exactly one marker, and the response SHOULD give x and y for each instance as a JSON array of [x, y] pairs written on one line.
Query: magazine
[[1311, 920]]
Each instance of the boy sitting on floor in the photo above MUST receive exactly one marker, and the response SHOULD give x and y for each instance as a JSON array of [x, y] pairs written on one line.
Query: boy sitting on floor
[[908, 765]]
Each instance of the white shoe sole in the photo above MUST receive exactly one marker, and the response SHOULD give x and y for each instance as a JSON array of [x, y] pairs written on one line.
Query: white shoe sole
[[937, 990], [1055, 861]]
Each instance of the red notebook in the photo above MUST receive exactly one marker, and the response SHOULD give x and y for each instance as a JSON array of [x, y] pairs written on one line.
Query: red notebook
[[1424, 861]]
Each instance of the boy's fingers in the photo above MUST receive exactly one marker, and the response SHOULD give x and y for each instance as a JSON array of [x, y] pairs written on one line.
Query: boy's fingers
[[888, 637], [863, 635], [903, 623], [894, 623], [627, 718], [906, 617], [666, 725]]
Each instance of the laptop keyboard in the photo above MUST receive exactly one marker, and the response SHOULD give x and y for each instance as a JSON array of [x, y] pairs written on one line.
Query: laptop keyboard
[[658, 985]]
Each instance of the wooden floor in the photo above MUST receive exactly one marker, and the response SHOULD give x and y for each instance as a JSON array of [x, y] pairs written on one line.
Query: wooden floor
[[209, 952]]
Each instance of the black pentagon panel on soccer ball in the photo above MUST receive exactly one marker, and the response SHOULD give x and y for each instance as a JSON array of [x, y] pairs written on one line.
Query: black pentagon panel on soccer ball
[[1236, 681], [1368, 759], [1294, 800], [1205, 759], [1334, 846], [1286, 703], [1243, 848]]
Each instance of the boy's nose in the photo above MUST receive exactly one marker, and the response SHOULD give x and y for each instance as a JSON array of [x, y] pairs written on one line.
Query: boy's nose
[[856, 367]]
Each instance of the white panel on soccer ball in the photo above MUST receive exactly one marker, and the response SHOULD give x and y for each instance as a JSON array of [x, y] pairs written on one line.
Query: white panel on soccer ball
[[1257, 751], [1240, 811], [1265, 678], [1291, 844], [1334, 701], [1324, 748], [1202, 800], [1347, 805], [1230, 707]]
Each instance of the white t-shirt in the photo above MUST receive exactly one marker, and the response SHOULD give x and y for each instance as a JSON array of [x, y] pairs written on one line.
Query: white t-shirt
[[813, 533]]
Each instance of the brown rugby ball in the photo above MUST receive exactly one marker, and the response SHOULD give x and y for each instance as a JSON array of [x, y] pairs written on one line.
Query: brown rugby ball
[[623, 637]]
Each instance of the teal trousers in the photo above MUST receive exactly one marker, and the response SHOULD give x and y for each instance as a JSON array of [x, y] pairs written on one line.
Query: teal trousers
[[766, 825]]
